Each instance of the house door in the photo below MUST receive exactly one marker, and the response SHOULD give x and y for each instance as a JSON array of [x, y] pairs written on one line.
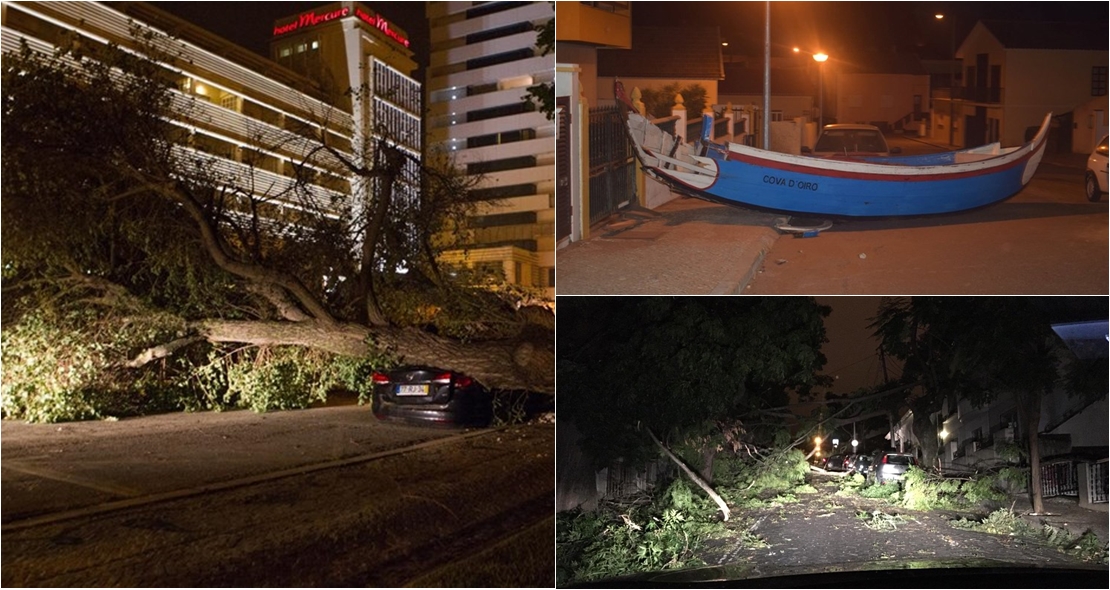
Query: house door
[[975, 128]]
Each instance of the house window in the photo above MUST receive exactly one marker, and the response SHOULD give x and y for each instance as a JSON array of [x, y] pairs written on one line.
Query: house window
[[1098, 81], [776, 115]]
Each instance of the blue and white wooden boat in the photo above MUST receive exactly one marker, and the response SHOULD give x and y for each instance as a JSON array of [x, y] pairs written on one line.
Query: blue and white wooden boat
[[858, 187]]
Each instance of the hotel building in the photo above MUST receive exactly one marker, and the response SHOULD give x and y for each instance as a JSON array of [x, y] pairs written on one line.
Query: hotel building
[[484, 58], [253, 128], [347, 45]]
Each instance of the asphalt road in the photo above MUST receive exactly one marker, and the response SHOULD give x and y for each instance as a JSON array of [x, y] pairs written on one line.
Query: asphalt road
[[824, 530], [323, 497], [1048, 239]]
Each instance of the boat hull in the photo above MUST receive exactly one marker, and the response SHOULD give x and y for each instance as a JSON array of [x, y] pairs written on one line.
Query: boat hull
[[866, 187], [798, 189]]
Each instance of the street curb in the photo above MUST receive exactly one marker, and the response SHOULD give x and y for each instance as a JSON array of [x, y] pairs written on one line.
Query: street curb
[[766, 242]]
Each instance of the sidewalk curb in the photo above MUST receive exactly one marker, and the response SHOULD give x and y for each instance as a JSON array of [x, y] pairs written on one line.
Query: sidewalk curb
[[766, 242]]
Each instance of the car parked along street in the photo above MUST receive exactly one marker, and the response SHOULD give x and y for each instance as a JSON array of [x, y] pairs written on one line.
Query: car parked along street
[[850, 141], [431, 395], [890, 466], [1095, 182]]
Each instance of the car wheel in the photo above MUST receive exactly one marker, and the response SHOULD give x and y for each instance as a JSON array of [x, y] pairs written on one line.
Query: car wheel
[[1092, 188]]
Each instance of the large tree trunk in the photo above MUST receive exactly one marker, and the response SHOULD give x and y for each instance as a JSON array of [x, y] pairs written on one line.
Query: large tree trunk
[[503, 364], [693, 477], [1029, 412], [925, 431]]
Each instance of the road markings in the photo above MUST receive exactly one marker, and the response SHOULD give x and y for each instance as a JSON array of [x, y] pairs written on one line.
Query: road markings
[[134, 502], [77, 480]]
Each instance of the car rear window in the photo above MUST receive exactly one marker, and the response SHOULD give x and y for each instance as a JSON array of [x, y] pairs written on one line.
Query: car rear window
[[851, 140], [900, 459]]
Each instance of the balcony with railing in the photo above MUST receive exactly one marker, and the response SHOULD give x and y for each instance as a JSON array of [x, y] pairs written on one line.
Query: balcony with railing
[[987, 94]]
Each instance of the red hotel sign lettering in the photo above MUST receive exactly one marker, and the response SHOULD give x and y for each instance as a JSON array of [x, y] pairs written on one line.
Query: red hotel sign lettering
[[311, 19], [382, 25]]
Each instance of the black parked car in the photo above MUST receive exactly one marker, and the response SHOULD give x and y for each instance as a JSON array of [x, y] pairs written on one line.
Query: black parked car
[[860, 464], [431, 395], [834, 463]]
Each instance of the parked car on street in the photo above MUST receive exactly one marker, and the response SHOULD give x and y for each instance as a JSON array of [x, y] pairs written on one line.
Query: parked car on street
[[849, 141], [834, 463], [1095, 182], [431, 395], [888, 467], [861, 464]]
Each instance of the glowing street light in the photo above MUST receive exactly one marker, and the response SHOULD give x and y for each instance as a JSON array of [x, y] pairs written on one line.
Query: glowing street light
[[943, 433], [820, 58]]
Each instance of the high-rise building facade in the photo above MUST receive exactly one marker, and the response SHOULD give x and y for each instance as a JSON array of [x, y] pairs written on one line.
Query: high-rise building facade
[[484, 58], [349, 46], [252, 128]]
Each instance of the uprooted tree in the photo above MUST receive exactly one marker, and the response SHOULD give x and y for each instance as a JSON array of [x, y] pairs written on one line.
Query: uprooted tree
[[131, 256], [641, 373]]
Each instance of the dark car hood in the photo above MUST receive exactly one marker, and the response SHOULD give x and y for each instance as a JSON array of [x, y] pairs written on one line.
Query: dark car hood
[[894, 573]]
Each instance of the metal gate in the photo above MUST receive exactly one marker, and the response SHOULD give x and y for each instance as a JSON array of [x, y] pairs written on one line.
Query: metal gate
[[563, 189], [1059, 479], [612, 169], [1096, 482]]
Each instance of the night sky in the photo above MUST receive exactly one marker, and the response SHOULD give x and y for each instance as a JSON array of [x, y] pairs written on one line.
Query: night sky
[[853, 26], [250, 24], [851, 350]]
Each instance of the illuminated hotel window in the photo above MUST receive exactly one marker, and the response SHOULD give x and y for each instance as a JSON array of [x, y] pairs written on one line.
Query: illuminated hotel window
[[284, 52], [301, 47], [230, 101], [315, 44]]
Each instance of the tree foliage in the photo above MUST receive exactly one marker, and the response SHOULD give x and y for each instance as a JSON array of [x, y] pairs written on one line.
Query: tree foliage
[[544, 94], [117, 212], [674, 365], [658, 101]]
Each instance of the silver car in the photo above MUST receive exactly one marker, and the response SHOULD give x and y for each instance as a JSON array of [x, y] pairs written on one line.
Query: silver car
[[889, 467], [1095, 181]]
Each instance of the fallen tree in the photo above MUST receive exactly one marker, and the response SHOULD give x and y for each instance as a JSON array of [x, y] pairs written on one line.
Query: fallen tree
[[108, 208]]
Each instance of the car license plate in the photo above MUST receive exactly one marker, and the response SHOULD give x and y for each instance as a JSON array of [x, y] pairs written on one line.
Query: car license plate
[[412, 390]]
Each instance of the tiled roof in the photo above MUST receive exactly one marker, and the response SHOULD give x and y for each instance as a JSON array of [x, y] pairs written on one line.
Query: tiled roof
[[784, 82], [666, 52], [1049, 35]]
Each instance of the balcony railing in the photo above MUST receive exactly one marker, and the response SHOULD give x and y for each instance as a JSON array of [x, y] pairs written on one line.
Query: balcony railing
[[990, 95]]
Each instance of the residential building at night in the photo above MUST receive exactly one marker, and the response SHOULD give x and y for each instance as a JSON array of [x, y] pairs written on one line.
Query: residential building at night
[[584, 29], [483, 60], [254, 127], [1014, 73]]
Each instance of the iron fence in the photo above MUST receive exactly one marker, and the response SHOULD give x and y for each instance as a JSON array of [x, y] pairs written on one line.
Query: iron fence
[[612, 169], [1059, 479], [1097, 481]]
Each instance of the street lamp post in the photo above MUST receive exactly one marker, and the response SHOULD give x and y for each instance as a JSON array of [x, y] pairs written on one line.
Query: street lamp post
[[820, 58], [951, 80]]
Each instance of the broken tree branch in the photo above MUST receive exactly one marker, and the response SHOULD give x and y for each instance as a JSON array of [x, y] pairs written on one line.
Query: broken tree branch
[[693, 476]]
